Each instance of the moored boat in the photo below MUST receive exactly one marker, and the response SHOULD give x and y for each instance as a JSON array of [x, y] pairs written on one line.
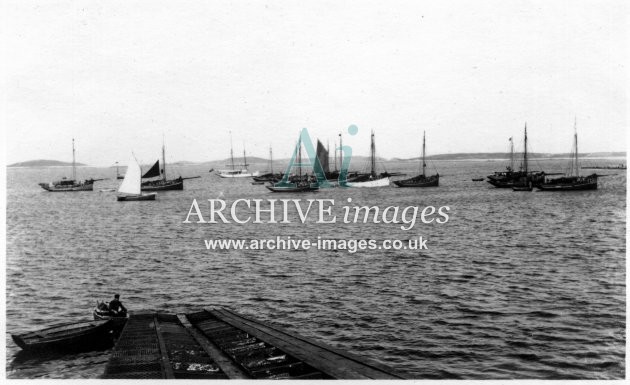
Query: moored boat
[[68, 336], [572, 181], [295, 183], [234, 172], [162, 183], [118, 176], [102, 313], [371, 179], [421, 180], [506, 179], [67, 185], [524, 183], [267, 176], [297, 187]]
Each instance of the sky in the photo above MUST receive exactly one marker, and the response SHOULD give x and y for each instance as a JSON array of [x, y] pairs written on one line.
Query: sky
[[119, 76]]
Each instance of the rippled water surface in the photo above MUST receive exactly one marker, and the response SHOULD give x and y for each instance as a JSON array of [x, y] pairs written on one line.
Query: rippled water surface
[[515, 285]]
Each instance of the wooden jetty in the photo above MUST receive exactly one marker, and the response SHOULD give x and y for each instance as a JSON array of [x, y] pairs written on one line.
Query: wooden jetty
[[217, 343]]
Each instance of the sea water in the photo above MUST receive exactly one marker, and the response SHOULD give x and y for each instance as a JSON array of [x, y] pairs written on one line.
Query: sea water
[[513, 285]]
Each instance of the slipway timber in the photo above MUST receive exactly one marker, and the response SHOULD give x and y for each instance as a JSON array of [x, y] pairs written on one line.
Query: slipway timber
[[218, 343]]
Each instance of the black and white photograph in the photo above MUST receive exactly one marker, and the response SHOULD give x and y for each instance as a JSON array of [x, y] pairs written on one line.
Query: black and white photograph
[[310, 190]]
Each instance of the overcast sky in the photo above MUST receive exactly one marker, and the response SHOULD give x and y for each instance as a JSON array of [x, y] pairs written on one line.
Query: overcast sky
[[117, 75]]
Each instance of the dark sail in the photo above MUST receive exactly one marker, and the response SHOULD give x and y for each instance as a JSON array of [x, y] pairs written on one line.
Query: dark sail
[[322, 155], [153, 171]]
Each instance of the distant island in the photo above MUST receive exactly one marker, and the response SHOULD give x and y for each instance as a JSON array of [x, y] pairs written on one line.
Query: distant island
[[356, 159], [44, 163]]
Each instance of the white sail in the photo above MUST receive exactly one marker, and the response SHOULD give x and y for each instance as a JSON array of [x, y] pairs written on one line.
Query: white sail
[[131, 184]]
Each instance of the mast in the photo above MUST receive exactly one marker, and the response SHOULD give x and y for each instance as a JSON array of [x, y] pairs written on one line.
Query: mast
[[335, 155], [424, 164], [231, 151], [163, 160], [372, 157], [117, 170], [511, 154], [300, 159], [271, 159], [577, 168], [328, 154], [340, 151], [74, 167], [525, 152], [244, 157]]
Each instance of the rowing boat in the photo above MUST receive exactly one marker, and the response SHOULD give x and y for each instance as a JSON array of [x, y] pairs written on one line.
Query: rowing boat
[[68, 336]]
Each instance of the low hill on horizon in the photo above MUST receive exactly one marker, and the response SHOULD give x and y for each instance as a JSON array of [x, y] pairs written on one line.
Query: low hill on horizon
[[224, 163], [44, 163]]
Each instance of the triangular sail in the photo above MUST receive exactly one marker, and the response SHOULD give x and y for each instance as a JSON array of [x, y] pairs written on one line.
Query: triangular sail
[[153, 171], [322, 155], [131, 184]]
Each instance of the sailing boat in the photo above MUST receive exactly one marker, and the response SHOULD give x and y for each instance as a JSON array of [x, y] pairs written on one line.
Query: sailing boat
[[525, 182], [371, 179], [65, 185], [118, 176], [162, 183], [270, 176], [421, 180], [572, 180], [296, 183], [129, 189], [233, 172]]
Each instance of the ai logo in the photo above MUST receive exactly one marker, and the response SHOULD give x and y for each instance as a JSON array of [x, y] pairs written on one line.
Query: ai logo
[[312, 161]]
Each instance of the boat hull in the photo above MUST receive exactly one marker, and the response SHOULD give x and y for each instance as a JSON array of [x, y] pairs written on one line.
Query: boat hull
[[74, 336], [292, 189], [570, 184], [382, 182], [419, 181], [223, 174], [67, 188], [132, 198], [161, 185], [117, 322], [567, 187], [500, 183]]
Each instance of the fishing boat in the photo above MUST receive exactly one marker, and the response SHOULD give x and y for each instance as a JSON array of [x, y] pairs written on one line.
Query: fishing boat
[[130, 189], [421, 180], [301, 186], [67, 185], [506, 179], [370, 179], [295, 183], [511, 177], [572, 181], [118, 176], [67, 336], [162, 183], [524, 183], [233, 172], [268, 176]]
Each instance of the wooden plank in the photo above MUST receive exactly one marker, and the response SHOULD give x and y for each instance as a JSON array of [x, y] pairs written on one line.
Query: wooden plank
[[353, 357], [166, 363], [318, 358], [224, 362]]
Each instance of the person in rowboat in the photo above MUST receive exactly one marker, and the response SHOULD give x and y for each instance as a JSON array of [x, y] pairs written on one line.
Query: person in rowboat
[[116, 307]]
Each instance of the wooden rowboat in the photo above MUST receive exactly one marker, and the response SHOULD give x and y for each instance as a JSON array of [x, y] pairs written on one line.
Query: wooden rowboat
[[69, 336]]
